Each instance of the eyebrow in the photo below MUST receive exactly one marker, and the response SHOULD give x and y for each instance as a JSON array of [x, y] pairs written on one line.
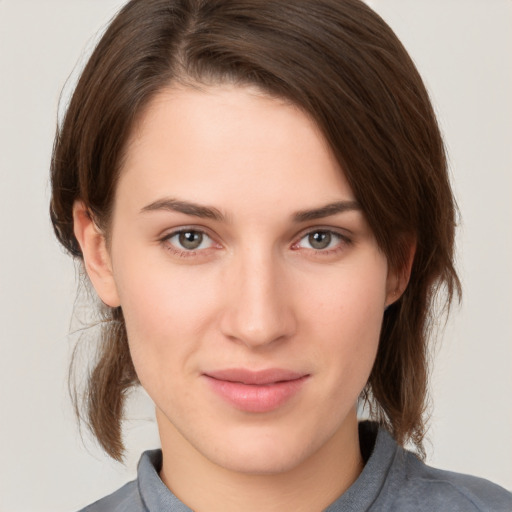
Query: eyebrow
[[186, 207], [210, 212], [326, 211]]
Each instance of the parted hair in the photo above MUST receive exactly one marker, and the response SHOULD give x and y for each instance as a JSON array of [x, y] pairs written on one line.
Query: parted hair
[[340, 63]]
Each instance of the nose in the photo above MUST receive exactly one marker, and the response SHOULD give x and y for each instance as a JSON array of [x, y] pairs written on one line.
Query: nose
[[258, 303]]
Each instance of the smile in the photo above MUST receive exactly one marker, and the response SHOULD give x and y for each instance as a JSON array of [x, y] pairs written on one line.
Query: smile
[[256, 392]]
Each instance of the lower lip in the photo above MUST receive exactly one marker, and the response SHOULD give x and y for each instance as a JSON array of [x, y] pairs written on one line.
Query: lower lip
[[256, 398]]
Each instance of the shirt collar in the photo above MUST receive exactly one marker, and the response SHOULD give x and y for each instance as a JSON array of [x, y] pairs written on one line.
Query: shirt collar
[[376, 445]]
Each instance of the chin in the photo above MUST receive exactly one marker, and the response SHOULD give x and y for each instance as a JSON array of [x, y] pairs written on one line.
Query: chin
[[262, 452], [260, 462]]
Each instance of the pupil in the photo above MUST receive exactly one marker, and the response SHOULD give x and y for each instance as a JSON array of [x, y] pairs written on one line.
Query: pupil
[[320, 239], [190, 239]]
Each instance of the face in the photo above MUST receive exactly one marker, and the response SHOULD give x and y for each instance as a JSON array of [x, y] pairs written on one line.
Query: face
[[252, 287]]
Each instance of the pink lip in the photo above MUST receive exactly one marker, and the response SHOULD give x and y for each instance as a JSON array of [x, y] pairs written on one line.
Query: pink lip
[[256, 391]]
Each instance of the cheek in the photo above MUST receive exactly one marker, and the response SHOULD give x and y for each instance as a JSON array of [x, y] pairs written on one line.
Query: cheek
[[349, 298], [166, 315], [345, 318]]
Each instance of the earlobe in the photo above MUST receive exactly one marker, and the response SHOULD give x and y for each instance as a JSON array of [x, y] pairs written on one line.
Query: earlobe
[[398, 279], [97, 260]]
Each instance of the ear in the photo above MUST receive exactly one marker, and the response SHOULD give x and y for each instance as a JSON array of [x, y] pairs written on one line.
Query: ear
[[96, 256], [398, 279]]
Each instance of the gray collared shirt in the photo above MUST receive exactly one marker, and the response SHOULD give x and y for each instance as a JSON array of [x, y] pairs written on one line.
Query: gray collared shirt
[[393, 480]]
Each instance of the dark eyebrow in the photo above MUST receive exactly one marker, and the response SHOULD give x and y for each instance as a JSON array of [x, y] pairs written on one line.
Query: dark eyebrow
[[209, 212], [326, 211], [185, 207]]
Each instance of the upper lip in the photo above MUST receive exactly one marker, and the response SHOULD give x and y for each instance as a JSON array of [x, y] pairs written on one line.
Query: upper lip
[[255, 377]]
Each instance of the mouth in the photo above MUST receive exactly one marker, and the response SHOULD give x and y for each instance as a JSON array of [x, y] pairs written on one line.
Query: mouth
[[256, 391]]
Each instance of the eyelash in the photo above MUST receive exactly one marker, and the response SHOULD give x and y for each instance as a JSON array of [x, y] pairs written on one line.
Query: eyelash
[[184, 253], [343, 242]]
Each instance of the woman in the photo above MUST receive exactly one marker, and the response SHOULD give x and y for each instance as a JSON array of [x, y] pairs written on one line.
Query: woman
[[258, 192]]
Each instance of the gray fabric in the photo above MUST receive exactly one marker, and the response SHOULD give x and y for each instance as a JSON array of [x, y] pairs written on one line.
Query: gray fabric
[[393, 480]]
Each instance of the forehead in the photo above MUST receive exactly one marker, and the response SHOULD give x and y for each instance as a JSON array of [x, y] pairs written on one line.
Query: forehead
[[228, 145]]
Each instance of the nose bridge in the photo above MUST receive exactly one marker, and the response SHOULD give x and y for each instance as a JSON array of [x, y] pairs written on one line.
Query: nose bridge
[[258, 309]]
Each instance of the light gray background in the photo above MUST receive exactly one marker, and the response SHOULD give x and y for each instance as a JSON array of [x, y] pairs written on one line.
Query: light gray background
[[462, 47]]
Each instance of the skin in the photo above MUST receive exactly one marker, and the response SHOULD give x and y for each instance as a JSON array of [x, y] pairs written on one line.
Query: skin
[[255, 294]]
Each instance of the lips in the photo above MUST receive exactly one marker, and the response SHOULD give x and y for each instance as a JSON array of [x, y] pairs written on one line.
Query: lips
[[256, 391]]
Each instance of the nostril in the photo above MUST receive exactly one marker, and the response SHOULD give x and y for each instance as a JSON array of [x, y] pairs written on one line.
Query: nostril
[[256, 330]]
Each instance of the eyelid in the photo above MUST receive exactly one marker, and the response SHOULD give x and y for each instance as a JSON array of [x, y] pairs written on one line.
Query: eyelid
[[343, 235], [169, 233], [182, 251], [340, 233]]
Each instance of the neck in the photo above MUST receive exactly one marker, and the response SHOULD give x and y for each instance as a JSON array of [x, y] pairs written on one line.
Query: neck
[[310, 486]]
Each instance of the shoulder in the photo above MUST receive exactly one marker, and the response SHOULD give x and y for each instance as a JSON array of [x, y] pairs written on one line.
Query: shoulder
[[427, 488], [395, 480], [125, 499], [134, 496]]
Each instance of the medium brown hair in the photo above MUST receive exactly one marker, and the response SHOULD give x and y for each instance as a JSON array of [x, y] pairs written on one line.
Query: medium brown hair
[[339, 62]]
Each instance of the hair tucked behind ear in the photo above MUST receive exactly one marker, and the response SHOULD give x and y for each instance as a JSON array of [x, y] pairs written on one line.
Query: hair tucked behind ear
[[340, 63]]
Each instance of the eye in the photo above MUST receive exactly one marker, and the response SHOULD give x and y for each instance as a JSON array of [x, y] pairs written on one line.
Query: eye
[[189, 240], [321, 240]]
